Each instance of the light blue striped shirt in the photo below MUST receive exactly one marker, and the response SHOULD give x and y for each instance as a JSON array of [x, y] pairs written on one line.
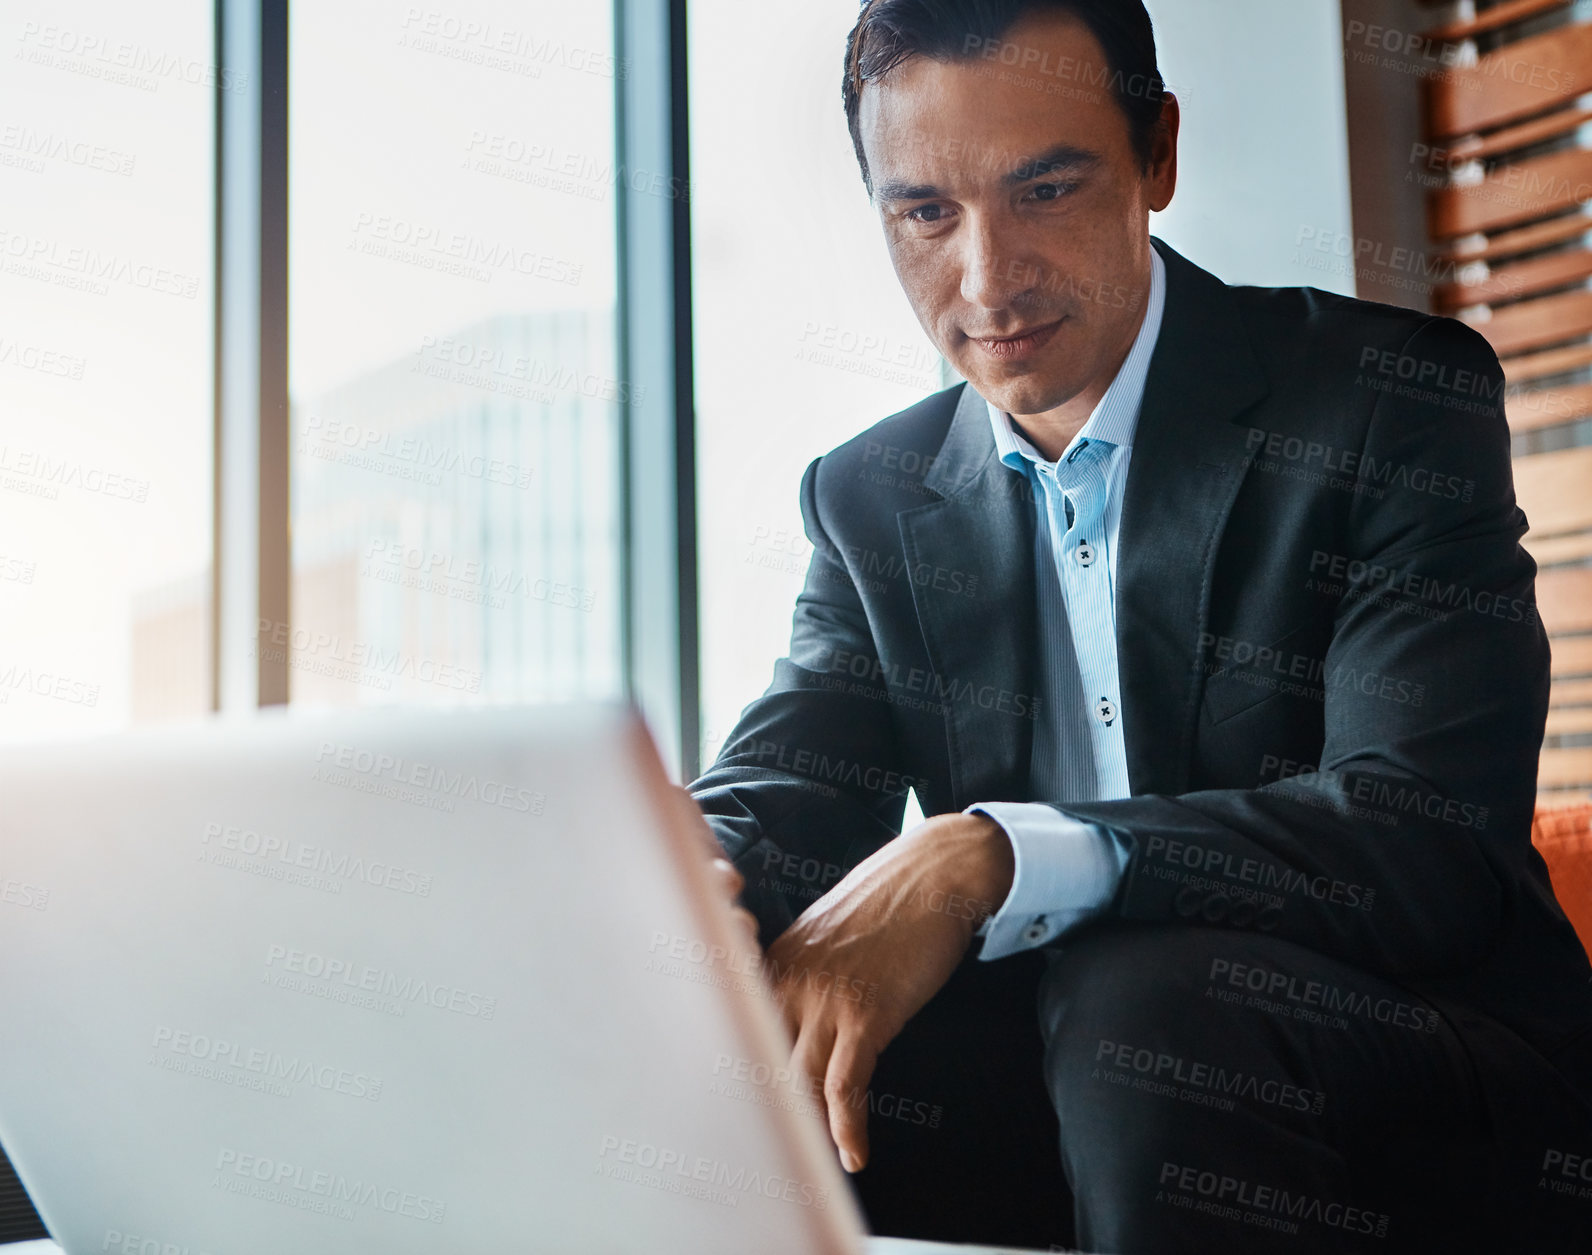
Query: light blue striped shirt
[[1067, 870]]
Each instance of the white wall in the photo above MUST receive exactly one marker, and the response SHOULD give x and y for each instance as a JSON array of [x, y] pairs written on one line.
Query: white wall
[[1265, 153]]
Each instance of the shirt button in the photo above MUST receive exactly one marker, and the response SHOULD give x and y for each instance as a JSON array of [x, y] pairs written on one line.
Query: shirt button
[[1036, 932], [1105, 711], [1214, 909], [1086, 553]]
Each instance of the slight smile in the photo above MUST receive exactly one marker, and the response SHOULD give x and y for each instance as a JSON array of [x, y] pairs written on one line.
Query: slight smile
[[1014, 348]]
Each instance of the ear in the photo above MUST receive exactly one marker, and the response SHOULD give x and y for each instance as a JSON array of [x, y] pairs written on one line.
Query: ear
[[1161, 177]]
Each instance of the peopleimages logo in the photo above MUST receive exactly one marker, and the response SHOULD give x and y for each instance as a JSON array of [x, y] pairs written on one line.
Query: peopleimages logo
[[1353, 467], [50, 684], [668, 1163], [1367, 578], [327, 653], [117, 60], [21, 893], [318, 1184], [456, 785], [136, 1244], [1266, 1206], [271, 1067], [80, 266], [49, 475], [1308, 998], [467, 579], [791, 1089], [267, 850], [1261, 873], [1171, 1075], [376, 981]]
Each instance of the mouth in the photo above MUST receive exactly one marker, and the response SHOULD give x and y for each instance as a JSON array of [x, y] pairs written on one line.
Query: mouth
[[1014, 347]]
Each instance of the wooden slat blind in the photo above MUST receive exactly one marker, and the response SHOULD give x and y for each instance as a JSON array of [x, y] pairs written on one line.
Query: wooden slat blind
[[1537, 324], [1525, 240], [1519, 370], [1518, 81], [1495, 18], [1553, 490], [1513, 221], [1527, 278], [1535, 408], [1516, 193]]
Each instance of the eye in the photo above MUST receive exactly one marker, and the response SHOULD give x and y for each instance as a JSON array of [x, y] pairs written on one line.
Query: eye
[[1051, 191], [925, 213]]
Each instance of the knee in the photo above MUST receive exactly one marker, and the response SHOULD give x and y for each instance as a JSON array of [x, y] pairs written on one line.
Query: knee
[[1146, 1011], [1123, 986]]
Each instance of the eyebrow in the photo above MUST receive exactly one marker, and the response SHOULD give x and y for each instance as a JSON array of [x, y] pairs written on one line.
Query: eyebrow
[[1063, 158], [1060, 159], [893, 190]]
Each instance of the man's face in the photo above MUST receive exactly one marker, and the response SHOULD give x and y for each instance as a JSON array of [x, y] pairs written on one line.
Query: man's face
[[1016, 211]]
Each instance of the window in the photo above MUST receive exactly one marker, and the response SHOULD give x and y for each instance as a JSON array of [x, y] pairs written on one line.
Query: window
[[453, 362], [803, 336], [106, 176]]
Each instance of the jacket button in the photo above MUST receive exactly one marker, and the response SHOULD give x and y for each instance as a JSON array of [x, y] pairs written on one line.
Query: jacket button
[[1268, 917], [1242, 915], [1214, 908], [1036, 932], [1187, 901]]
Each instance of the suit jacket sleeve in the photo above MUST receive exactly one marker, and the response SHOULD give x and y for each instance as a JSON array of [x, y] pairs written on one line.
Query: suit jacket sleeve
[[809, 782], [1402, 852]]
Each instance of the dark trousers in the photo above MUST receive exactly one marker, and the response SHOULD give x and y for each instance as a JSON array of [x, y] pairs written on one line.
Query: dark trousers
[[985, 1165], [1214, 1090], [18, 1220]]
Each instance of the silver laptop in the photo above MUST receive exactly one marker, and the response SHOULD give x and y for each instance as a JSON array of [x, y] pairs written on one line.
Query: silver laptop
[[396, 982]]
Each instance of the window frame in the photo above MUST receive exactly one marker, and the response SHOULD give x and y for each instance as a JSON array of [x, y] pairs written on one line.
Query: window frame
[[252, 581]]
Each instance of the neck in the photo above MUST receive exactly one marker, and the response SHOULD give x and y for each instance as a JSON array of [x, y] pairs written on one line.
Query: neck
[[1048, 433]]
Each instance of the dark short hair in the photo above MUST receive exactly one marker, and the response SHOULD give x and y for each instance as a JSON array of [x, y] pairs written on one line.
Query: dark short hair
[[888, 32]]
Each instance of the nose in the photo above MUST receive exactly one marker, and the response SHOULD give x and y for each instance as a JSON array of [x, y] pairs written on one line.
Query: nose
[[993, 273]]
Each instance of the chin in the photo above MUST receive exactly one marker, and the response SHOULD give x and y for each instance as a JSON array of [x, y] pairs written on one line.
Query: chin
[[1029, 388], [1023, 396]]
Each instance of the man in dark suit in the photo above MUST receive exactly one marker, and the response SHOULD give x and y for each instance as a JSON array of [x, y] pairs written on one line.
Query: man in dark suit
[[1198, 621]]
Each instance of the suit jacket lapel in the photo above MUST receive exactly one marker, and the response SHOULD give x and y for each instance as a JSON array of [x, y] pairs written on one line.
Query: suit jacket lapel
[[981, 643], [1189, 458]]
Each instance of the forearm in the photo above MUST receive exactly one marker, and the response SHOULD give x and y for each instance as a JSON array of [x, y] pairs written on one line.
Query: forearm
[[1381, 885], [791, 824]]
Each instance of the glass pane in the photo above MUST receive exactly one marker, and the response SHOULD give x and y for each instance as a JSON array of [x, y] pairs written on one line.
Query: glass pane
[[453, 362], [106, 275], [803, 336]]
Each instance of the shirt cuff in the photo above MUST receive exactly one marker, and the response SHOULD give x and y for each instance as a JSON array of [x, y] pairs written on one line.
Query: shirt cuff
[[1066, 871]]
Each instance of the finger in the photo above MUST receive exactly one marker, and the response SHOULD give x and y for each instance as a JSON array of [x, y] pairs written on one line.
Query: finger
[[851, 1065], [730, 876], [691, 816], [788, 991], [809, 1062], [748, 925], [788, 1001]]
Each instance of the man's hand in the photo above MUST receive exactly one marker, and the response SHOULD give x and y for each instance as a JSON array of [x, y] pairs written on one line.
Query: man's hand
[[726, 879], [863, 959]]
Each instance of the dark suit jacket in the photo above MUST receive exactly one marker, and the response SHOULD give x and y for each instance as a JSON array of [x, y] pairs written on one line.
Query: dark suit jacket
[[1319, 568]]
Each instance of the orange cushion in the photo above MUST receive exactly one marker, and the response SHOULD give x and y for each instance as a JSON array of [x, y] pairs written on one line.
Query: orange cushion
[[1563, 835]]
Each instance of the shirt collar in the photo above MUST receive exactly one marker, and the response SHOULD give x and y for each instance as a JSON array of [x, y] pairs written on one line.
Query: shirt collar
[[1116, 417]]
